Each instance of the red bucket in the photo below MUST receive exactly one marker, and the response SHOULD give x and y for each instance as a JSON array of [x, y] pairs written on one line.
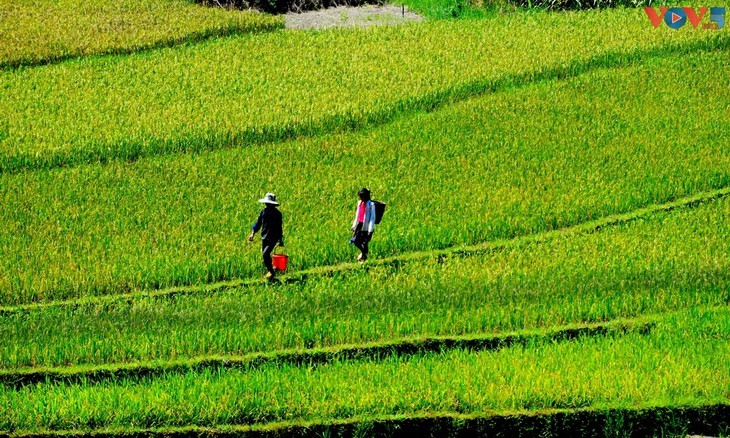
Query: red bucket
[[279, 261]]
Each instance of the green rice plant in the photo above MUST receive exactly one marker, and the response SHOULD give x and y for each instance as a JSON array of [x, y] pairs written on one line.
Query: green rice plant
[[447, 9], [290, 276], [580, 4], [315, 356], [550, 5], [43, 31], [440, 9], [250, 89], [667, 262], [681, 362], [490, 173]]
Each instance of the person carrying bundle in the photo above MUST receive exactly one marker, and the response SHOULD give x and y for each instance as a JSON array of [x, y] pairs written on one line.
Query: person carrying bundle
[[366, 216]]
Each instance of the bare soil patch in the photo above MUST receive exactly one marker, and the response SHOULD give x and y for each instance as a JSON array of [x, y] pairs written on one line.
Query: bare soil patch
[[349, 16]]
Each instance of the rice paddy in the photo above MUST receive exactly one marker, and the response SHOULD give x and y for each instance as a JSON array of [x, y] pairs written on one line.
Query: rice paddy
[[554, 257], [37, 32]]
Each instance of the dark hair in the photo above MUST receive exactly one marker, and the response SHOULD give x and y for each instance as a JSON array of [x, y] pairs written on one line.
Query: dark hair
[[364, 192]]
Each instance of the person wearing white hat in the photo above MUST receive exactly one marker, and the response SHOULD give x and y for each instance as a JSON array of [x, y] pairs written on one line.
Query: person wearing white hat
[[270, 224]]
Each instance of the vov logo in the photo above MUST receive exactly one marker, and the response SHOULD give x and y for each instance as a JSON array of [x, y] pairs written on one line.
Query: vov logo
[[678, 17]]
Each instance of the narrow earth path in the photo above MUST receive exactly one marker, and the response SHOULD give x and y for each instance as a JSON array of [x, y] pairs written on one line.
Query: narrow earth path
[[689, 201]]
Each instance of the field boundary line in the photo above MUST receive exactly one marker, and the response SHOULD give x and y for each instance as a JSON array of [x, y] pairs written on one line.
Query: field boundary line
[[190, 38], [377, 350], [500, 244], [459, 250], [707, 419], [350, 121]]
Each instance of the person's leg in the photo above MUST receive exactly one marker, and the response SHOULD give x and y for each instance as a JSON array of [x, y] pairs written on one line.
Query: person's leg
[[364, 244], [358, 240], [359, 245], [266, 249]]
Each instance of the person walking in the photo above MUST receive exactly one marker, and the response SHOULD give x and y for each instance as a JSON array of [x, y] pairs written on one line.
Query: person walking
[[364, 224], [270, 224]]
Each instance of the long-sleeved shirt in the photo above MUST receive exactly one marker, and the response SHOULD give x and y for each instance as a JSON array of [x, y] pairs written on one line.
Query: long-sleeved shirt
[[270, 224], [368, 224]]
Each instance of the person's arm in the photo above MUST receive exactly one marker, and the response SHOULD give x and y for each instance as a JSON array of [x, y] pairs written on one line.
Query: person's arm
[[281, 239], [256, 226]]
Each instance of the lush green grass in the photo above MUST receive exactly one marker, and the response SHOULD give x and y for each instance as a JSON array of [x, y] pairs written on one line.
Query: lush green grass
[[535, 122], [669, 261], [491, 173], [531, 151], [682, 361], [239, 90], [448, 9], [395, 260], [378, 350], [42, 31]]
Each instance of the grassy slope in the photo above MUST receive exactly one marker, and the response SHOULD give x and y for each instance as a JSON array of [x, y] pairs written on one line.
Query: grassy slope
[[378, 350], [42, 31], [680, 362], [235, 91], [492, 173], [666, 262]]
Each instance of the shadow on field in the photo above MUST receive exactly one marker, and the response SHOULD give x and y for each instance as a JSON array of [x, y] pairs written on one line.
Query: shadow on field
[[284, 6], [711, 420], [664, 422]]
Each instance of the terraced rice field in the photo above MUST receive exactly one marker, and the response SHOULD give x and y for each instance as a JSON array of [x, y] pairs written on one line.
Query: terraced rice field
[[554, 258], [37, 32]]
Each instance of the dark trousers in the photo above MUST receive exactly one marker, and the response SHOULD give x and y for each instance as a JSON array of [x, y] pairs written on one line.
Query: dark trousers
[[267, 247], [362, 239]]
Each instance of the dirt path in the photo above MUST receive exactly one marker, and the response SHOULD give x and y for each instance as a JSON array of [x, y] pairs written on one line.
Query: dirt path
[[345, 16]]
